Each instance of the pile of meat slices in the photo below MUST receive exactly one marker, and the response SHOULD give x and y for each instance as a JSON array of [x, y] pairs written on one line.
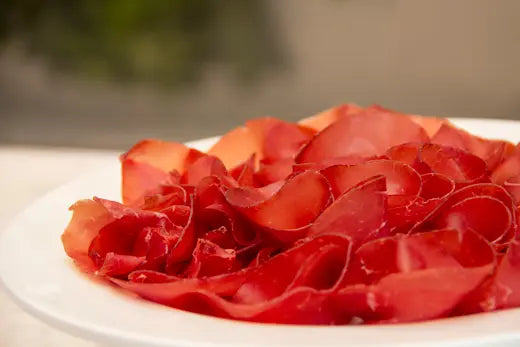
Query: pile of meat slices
[[355, 215]]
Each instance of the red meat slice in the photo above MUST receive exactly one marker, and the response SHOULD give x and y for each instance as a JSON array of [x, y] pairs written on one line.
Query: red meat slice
[[430, 124], [512, 185], [423, 276], [401, 179], [360, 213], [352, 160], [323, 119], [203, 167], [265, 137], [509, 168], [368, 133], [505, 290], [165, 197], [185, 244], [460, 166], [491, 151], [235, 147], [288, 213], [478, 191], [101, 226], [148, 164], [118, 264], [257, 299], [486, 215], [244, 173], [283, 140], [436, 186], [270, 172], [210, 259], [500, 291], [150, 276]]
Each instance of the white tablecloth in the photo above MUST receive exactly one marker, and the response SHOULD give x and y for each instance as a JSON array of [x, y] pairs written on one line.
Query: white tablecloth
[[25, 174]]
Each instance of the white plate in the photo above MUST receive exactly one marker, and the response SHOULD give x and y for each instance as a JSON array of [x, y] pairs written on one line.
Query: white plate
[[36, 272]]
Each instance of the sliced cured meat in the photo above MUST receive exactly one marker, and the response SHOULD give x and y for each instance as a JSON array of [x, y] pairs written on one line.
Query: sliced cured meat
[[283, 140], [369, 133], [117, 264], [323, 119], [512, 185], [436, 186], [458, 165], [301, 263], [406, 271], [244, 173], [509, 168], [290, 210], [210, 259], [266, 137], [352, 216], [360, 213], [270, 172], [185, 244], [149, 163], [101, 226], [491, 151], [235, 147], [259, 300], [486, 215], [401, 179], [480, 195], [430, 124], [352, 160], [203, 167]]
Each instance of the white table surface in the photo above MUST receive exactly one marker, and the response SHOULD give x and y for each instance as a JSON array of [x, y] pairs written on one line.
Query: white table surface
[[25, 174]]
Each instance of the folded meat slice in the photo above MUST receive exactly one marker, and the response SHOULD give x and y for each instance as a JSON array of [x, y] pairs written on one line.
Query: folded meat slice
[[461, 166], [360, 213], [416, 277], [323, 119], [368, 133], [203, 167], [286, 214], [508, 169], [486, 215], [485, 207], [149, 163], [99, 227], [292, 287], [265, 137], [401, 179], [491, 151]]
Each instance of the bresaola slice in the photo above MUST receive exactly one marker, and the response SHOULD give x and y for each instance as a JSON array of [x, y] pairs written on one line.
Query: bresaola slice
[[368, 133], [266, 137], [491, 151], [254, 298], [323, 119], [149, 164], [360, 213], [486, 208], [353, 216], [99, 227], [486, 215], [460, 166], [422, 276], [401, 179], [290, 211]]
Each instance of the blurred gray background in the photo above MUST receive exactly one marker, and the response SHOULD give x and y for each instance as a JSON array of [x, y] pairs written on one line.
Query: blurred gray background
[[105, 74]]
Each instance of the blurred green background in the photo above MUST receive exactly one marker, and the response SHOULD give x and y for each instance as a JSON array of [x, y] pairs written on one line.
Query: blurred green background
[[107, 73], [159, 42]]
